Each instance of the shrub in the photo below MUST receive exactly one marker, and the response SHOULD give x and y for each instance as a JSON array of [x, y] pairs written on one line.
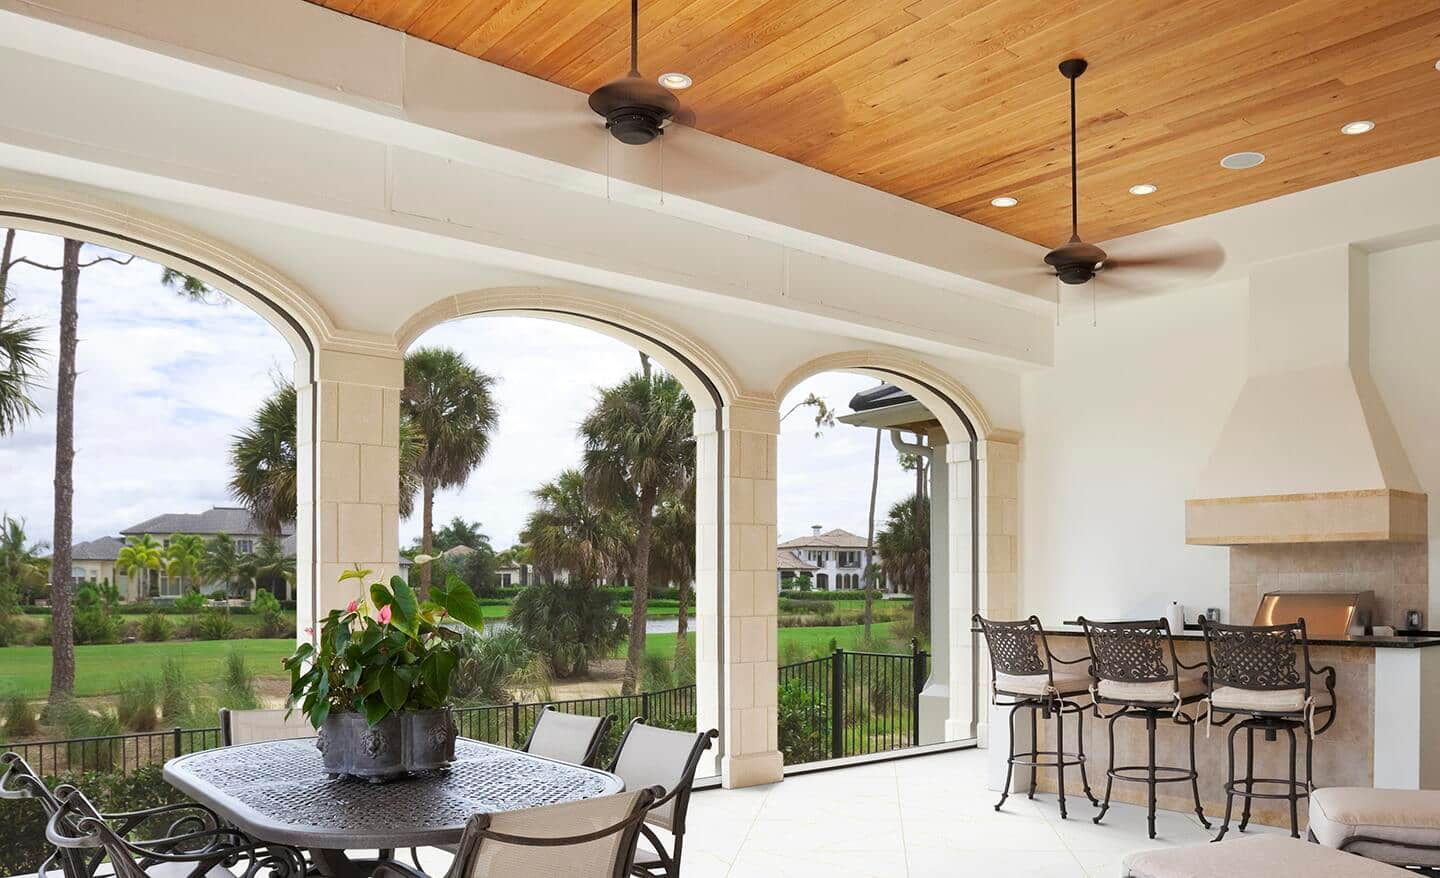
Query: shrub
[[79, 723], [138, 707], [20, 719], [238, 686], [214, 625], [190, 602], [93, 622], [273, 622], [155, 627], [488, 667], [804, 723], [567, 623], [174, 691]]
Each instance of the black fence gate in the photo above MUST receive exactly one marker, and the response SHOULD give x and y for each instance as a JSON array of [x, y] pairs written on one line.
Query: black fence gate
[[851, 704]]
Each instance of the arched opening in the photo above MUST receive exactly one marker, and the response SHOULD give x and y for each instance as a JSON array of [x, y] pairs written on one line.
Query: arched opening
[[153, 358], [929, 455], [555, 367]]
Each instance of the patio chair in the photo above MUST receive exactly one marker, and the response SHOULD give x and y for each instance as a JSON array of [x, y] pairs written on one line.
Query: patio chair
[[1262, 674], [1141, 677], [568, 737], [199, 849], [653, 756], [1023, 676], [255, 726], [591, 838]]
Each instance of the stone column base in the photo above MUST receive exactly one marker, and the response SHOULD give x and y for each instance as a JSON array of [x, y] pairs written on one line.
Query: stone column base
[[934, 712], [752, 769]]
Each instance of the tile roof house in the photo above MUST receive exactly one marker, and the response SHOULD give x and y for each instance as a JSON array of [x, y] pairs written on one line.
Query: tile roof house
[[95, 560], [836, 558]]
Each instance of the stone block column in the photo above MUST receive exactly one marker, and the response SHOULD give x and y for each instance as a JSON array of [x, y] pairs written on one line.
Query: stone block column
[[349, 458], [747, 605]]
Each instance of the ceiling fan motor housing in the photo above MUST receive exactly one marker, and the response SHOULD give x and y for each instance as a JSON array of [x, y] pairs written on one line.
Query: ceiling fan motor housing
[[635, 125]]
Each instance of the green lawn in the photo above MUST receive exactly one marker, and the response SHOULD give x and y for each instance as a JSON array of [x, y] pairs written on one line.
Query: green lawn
[[104, 669], [813, 641]]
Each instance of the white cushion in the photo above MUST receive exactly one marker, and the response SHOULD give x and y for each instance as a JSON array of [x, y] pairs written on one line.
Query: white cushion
[[1267, 700], [1274, 856], [1066, 683], [1411, 816], [1162, 692]]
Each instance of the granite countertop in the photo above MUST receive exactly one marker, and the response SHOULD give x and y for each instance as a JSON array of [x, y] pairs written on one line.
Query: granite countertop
[[1392, 641]]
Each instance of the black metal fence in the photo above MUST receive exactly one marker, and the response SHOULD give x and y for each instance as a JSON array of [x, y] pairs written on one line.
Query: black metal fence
[[845, 704], [851, 704]]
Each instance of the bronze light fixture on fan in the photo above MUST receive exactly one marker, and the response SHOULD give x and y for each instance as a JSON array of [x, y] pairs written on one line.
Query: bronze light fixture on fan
[[1077, 262], [635, 108]]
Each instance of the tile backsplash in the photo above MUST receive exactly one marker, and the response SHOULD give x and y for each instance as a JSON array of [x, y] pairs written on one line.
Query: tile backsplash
[[1398, 573]]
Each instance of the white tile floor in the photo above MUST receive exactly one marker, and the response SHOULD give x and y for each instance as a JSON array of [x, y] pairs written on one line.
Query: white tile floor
[[926, 817]]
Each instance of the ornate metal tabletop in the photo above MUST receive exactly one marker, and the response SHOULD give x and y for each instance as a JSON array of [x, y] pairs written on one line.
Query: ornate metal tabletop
[[278, 791]]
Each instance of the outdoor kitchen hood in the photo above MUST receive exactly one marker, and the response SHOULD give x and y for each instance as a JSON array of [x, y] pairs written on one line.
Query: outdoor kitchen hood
[[1308, 453]]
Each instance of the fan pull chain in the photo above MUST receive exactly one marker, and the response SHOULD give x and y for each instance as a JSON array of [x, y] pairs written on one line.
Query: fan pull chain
[[607, 169], [1059, 292], [1094, 282], [662, 168]]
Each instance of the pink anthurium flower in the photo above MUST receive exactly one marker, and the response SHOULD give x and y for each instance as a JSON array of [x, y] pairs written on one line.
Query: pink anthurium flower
[[353, 606], [310, 631], [384, 615]]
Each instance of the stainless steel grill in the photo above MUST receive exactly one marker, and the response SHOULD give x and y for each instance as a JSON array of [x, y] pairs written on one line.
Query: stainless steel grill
[[1326, 614]]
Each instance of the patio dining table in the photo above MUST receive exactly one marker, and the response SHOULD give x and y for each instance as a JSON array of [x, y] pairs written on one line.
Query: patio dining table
[[278, 792]]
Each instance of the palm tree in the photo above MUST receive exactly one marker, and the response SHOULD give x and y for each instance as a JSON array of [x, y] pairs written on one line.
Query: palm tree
[[449, 402], [263, 461], [638, 447], [268, 562], [672, 555], [191, 287], [184, 557], [569, 532], [20, 561], [904, 546], [20, 354], [138, 556], [221, 562]]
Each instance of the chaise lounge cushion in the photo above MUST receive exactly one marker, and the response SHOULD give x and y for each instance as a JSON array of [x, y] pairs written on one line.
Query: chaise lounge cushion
[[1037, 684], [1338, 814], [1273, 856]]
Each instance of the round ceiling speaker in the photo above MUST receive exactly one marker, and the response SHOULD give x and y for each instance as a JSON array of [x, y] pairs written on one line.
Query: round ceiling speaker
[[1239, 161]]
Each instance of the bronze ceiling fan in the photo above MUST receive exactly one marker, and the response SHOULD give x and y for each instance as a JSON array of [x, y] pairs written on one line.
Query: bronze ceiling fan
[[1078, 262], [635, 108]]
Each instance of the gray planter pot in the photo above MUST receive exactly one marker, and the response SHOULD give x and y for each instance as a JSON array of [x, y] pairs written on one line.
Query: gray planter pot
[[399, 745]]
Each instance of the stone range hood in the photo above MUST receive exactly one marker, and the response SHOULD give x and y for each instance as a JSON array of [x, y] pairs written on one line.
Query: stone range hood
[[1308, 454]]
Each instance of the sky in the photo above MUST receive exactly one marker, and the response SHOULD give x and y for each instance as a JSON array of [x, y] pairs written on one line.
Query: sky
[[165, 383]]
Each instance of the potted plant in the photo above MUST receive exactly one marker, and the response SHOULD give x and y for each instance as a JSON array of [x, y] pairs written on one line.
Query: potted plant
[[377, 683]]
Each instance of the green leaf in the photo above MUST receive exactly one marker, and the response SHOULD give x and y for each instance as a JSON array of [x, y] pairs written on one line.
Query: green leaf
[[406, 607], [438, 667], [456, 599], [393, 688], [353, 573], [376, 709], [319, 712], [380, 595]]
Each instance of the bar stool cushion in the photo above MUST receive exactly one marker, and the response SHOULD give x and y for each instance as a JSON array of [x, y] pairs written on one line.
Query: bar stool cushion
[[1274, 856], [1267, 700], [1162, 692], [1338, 814], [1038, 684]]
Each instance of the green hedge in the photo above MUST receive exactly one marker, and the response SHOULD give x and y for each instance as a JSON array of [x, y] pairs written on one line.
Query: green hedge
[[22, 821], [847, 594]]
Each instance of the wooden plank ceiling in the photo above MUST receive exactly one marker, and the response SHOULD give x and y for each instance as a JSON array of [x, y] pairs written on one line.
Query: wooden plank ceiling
[[951, 103]]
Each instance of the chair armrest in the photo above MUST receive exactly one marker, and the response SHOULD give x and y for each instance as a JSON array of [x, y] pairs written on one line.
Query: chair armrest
[[204, 818], [1074, 661], [1195, 667]]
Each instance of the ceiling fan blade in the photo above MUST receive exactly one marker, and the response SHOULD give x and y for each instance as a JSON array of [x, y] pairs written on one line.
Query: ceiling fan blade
[[1200, 259]]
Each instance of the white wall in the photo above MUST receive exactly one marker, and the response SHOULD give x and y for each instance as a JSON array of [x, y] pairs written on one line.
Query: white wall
[[1405, 362], [1115, 437], [1117, 433]]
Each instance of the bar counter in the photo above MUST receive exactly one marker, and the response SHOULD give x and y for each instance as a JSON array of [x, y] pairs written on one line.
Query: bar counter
[[1386, 732]]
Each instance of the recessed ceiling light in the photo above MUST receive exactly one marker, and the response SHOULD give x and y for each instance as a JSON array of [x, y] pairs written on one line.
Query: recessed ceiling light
[[676, 81], [1143, 189], [1239, 161], [1363, 126], [1004, 201]]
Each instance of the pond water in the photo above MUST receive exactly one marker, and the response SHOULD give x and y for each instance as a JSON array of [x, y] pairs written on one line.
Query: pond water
[[663, 625]]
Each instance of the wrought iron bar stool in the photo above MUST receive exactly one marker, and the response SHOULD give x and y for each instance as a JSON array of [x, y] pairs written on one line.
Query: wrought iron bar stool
[[1139, 675], [1020, 672], [1261, 674]]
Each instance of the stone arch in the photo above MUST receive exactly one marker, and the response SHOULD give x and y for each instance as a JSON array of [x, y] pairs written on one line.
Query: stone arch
[[704, 375], [294, 313], [981, 473]]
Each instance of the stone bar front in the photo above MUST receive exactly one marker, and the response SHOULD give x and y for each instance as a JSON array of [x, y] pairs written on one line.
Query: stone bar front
[[1386, 733]]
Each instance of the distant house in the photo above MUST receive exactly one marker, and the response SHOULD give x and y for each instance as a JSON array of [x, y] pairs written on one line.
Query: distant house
[[789, 565], [95, 560], [838, 558]]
